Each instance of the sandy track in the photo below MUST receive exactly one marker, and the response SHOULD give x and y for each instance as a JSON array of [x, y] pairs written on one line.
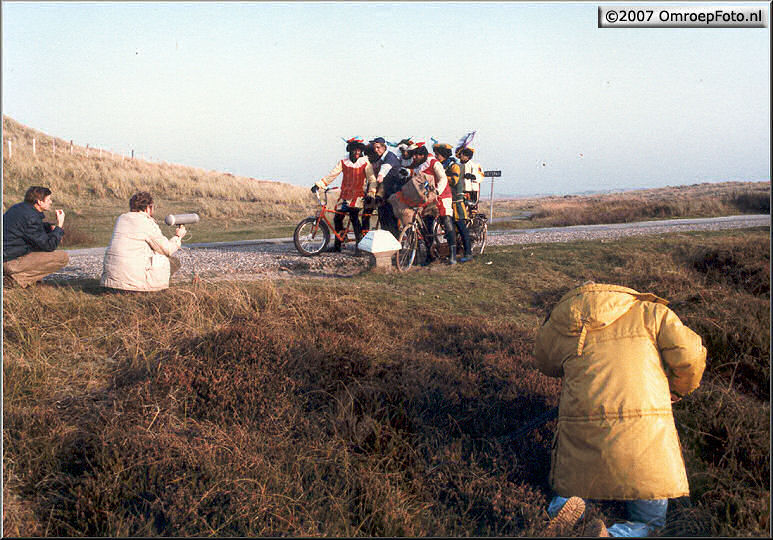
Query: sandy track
[[267, 259]]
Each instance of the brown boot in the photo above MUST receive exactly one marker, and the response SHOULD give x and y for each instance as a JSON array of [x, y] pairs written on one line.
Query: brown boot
[[567, 517]]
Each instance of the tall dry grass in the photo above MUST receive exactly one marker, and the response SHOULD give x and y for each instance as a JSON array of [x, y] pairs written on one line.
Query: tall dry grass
[[373, 407], [78, 180]]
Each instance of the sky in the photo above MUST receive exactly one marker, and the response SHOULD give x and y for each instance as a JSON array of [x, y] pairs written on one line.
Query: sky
[[269, 89]]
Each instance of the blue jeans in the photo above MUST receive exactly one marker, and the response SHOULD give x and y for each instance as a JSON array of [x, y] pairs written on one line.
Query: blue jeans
[[644, 515]]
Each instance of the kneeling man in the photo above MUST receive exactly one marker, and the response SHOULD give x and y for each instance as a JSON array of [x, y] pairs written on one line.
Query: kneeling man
[[29, 243], [139, 257]]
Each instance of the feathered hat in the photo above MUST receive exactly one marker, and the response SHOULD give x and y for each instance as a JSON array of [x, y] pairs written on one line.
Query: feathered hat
[[442, 149], [465, 142], [354, 143], [404, 144]]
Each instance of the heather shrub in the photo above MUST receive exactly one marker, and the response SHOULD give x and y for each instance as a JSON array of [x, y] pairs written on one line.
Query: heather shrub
[[752, 202], [303, 408], [745, 265]]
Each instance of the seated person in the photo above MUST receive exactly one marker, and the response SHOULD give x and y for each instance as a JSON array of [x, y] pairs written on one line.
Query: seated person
[[29, 243], [139, 257]]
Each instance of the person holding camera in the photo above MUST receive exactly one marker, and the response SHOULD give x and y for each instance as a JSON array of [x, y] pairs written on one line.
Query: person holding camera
[[29, 243], [139, 257]]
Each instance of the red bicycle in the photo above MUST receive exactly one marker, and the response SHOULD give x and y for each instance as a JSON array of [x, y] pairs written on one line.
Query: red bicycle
[[312, 234]]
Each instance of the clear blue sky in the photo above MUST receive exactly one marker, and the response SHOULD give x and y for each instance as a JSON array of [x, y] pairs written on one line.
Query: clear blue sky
[[269, 89]]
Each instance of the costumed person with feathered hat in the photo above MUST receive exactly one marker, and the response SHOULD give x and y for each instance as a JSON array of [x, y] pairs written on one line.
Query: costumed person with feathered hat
[[353, 187], [471, 171], [427, 165], [405, 156], [453, 171]]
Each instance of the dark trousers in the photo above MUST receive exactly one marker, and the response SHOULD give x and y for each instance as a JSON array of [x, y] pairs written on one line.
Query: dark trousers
[[366, 217], [462, 226], [338, 222], [448, 226], [388, 220]]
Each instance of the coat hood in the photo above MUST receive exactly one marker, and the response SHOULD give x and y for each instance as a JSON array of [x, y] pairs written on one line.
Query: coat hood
[[594, 306]]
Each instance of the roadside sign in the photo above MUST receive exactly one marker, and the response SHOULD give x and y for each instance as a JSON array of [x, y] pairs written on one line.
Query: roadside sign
[[492, 173]]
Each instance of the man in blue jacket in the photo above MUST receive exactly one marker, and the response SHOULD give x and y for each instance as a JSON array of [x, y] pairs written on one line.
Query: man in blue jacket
[[29, 243], [389, 181]]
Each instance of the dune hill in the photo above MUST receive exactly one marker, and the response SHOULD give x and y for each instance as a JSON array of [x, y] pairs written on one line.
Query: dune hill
[[89, 177]]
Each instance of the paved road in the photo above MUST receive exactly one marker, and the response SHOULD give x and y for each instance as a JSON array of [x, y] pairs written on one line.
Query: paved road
[[255, 259]]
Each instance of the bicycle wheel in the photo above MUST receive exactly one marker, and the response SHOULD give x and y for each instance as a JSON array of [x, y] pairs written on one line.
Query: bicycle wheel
[[439, 247], [406, 256], [481, 236], [311, 238]]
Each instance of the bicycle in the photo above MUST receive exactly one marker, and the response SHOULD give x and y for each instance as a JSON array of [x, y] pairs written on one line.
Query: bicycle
[[312, 234], [477, 226], [413, 237]]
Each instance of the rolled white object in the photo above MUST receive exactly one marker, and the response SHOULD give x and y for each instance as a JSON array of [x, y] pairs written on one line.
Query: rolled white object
[[181, 219]]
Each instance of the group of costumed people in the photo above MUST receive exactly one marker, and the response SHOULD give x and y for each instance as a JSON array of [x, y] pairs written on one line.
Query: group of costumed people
[[373, 177]]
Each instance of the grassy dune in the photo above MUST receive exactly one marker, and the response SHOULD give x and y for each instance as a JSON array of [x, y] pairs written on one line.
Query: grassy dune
[[371, 406], [94, 190]]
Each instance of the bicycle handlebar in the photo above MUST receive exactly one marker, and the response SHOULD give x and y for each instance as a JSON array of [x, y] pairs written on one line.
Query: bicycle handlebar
[[319, 197]]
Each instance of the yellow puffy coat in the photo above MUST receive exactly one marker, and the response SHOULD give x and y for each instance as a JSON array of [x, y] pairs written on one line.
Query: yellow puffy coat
[[620, 353]]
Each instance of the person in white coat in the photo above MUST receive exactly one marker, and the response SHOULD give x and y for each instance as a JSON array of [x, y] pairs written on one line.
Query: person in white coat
[[139, 257], [471, 174]]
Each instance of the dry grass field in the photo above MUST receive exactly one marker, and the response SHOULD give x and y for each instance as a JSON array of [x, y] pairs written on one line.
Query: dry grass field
[[370, 406], [698, 200]]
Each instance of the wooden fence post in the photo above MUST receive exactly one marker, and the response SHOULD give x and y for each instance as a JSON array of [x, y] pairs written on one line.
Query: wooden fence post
[[132, 154], [71, 146], [33, 146], [87, 150], [10, 149]]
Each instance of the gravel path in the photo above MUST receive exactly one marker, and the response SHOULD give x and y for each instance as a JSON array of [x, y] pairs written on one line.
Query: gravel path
[[267, 259]]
